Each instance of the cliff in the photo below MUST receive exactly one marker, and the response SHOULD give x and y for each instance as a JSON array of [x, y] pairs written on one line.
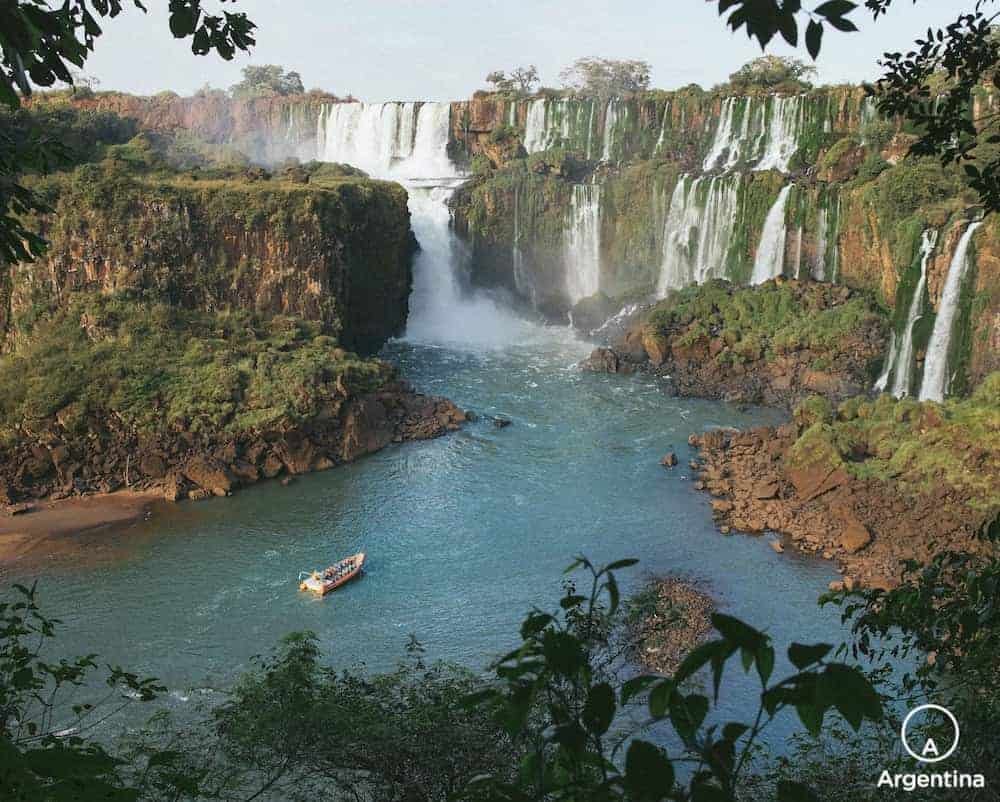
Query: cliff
[[579, 205], [337, 252]]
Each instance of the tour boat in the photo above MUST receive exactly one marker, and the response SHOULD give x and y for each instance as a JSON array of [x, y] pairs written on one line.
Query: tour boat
[[322, 582]]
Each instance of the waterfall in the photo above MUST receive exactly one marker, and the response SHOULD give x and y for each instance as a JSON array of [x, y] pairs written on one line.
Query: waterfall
[[610, 122], [936, 378], [822, 237], [535, 130], [783, 133], [904, 358], [698, 230], [664, 125], [890, 360], [582, 243], [408, 142], [763, 132], [771, 252]]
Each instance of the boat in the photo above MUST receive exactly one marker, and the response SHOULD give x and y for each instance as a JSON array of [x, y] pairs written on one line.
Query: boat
[[323, 582]]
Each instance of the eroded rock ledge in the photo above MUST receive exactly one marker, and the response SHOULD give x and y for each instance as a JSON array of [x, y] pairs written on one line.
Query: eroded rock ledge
[[869, 486], [774, 343], [59, 463]]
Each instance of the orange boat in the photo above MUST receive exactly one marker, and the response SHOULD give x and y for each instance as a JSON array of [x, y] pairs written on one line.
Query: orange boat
[[323, 582]]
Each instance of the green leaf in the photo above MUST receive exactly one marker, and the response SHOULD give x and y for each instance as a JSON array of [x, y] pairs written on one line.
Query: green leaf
[[659, 699], [636, 685], [802, 655], [738, 633], [814, 38], [835, 8], [811, 717], [599, 710], [619, 564], [687, 713], [649, 774]]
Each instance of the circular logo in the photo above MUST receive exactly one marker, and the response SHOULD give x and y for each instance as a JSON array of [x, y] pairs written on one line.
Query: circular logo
[[929, 752]]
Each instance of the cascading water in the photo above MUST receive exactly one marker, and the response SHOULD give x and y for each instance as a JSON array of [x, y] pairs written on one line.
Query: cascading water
[[822, 237], [582, 243], [771, 252], [904, 358], [765, 133], [783, 132], [535, 130], [698, 231], [610, 124], [890, 360], [936, 378], [408, 142]]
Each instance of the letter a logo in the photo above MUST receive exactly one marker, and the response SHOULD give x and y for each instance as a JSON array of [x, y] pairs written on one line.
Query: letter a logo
[[930, 749], [930, 753]]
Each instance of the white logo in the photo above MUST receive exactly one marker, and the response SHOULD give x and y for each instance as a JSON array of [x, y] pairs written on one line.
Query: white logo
[[929, 752]]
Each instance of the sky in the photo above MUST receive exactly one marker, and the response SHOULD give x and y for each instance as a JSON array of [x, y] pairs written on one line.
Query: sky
[[442, 49]]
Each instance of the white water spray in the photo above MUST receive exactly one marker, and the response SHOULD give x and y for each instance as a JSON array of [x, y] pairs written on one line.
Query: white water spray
[[936, 377], [582, 243], [904, 359], [771, 252], [408, 142]]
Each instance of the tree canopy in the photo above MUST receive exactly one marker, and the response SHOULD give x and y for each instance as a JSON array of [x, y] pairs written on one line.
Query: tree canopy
[[605, 77], [39, 46], [521, 80], [772, 72], [267, 80]]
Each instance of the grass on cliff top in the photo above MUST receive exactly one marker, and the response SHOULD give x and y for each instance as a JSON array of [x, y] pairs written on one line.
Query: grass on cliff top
[[920, 445], [154, 367], [766, 320]]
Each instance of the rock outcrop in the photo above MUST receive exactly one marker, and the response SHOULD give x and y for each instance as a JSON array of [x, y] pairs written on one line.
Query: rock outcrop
[[870, 486], [775, 343]]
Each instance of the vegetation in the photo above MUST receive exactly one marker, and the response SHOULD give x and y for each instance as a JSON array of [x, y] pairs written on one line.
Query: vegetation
[[154, 368], [267, 80], [920, 446], [767, 320], [521, 81], [604, 77], [772, 74], [933, 86], [38, 46]]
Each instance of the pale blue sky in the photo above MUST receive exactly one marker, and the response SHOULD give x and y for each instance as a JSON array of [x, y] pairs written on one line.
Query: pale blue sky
[[442, 49]]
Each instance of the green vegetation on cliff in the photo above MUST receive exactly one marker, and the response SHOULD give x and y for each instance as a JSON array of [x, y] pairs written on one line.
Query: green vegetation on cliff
[[752, 323], [923, 447], [157, 368]]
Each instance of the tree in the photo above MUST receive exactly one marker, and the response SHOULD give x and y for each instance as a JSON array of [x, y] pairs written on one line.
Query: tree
[[39, 45], [771, 72], [267, 80], [521, 80], [932, 85], [41, 756], [603, 77]]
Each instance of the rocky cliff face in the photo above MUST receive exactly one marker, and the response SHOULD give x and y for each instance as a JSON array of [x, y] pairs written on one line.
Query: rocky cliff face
[[339, 255], [689, 186]]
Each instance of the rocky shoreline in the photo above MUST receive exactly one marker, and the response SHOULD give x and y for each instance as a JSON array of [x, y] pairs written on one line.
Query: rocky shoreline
[[866, 526], [57, 463]]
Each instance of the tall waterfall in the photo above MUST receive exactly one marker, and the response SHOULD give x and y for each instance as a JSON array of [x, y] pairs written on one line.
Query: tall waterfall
[[763, 132], [904, 358], [610, 123], [408, 142], [936, 378], [698, 230], [822, 238], [890, 360], [771, 252], [582, 243]]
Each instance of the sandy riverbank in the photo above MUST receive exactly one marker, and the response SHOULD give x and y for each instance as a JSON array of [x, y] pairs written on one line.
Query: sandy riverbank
[[23, 534]]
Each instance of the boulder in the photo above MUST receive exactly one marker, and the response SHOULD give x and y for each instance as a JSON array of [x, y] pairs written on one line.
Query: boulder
[[765, 490], [601, 360], [210, 475], [367, 428], [854, 536], [272, 465], [656, 347], [153, 466], [173, 487], [669, 460]]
